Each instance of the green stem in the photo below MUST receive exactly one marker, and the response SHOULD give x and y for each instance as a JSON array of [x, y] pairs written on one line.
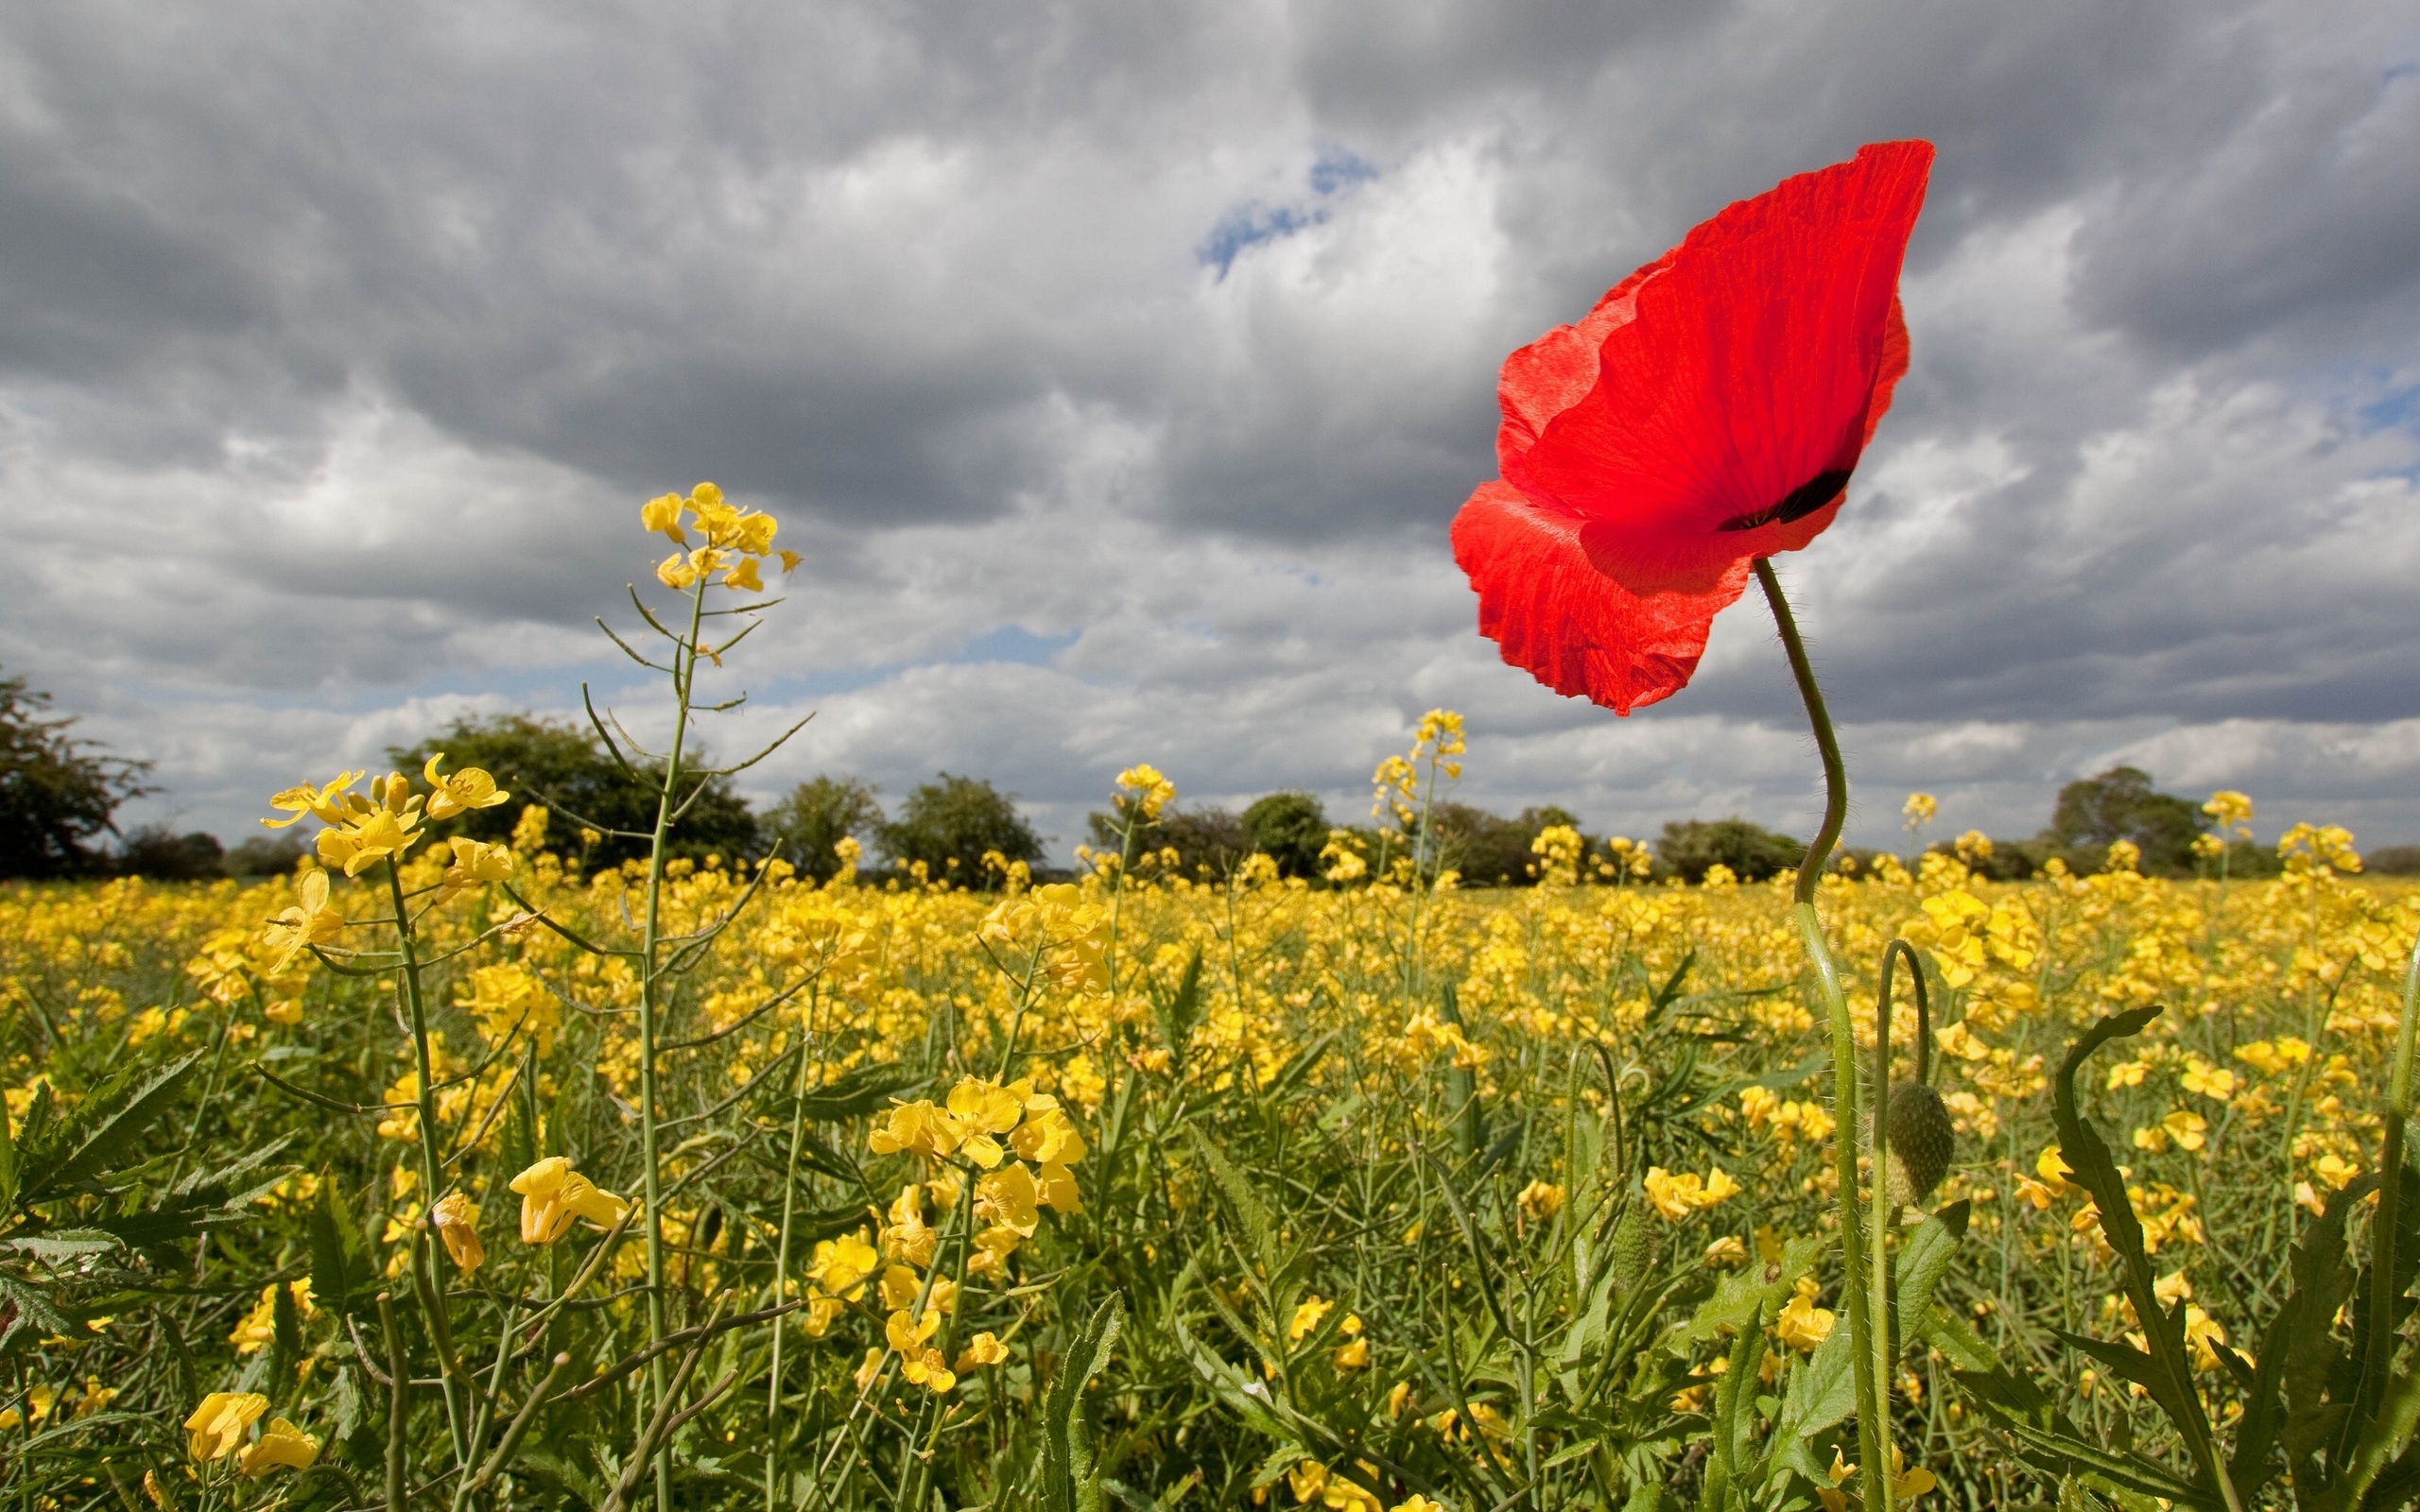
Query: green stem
[[684, 662], [1872, 1430], [424, 1263], [2382, 1228], [781, 1272]]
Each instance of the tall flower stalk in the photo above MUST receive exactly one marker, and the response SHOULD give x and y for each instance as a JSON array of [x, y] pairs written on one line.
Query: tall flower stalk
[[1868, 1294]]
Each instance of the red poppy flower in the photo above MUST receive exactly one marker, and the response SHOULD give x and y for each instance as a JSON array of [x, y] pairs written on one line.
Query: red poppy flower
[[1708, 411]]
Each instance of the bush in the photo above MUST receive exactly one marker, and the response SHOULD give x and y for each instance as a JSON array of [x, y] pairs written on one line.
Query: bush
[[569, 771], [1752, 852], [1289, 827], [950, 823]]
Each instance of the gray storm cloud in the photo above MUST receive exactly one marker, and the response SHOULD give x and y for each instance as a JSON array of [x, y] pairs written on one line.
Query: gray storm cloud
[[337, 348]]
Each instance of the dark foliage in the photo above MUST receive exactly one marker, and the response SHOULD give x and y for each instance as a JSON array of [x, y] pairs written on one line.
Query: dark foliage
[[568, 771], [265, 855], [2387, 861], [1487, 850], [2120, 804], [56, 793], [1291, 828], [949, 823], [1752, 852], [162, 854], [818, 814], [1208, 842]]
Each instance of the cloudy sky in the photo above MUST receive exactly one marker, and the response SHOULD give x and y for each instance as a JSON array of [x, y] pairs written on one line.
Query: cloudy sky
[[1119, 369]]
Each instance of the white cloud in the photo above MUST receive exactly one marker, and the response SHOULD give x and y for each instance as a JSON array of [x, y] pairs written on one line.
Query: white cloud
[[334, 363]]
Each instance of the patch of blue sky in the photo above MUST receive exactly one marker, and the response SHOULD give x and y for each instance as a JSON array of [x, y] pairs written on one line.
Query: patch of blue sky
[[1255, 222], [2398, 407]]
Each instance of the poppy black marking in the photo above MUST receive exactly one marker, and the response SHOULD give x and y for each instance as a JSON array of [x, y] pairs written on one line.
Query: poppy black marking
[[1802, 501]]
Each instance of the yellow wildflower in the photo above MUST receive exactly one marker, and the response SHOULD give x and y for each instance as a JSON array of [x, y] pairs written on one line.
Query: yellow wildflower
[[309, 922], [552, 1194], [458, 1219], [217, 1427], [281, 1446]]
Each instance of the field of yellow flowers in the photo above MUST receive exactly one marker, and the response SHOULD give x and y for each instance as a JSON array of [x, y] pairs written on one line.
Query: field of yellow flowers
[[453, 1173], [1165, 1191]]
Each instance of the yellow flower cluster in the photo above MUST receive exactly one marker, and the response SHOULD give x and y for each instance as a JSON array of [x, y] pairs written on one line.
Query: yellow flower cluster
[[733, 542]]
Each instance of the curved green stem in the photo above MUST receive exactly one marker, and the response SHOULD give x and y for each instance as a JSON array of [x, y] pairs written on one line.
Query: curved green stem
[[1872, 1431]]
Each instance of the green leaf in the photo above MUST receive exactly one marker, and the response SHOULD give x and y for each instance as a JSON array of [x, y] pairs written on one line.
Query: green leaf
[[103, 1129], [34, 1307], [62, 1243], [7, 1165], [2298, 1352], [1924, 1261], [1823, 1391], [1071, 1482], [286, 1339], [2169, 1375], [1741, 1296], [343, 1274], [1181, 1010], [1249, 1210], [856, 1092], [2382, 1438]]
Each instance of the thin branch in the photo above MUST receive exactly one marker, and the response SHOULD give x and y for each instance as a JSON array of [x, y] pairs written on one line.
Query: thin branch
[[328, 1103], [598, 725], [626, 646]]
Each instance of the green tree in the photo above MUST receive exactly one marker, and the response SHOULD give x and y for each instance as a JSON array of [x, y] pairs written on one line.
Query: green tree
[[818, 814], [950, 824], [57, 793], [1291, 828], [1752, 852], [2122, 804], [568, 771]]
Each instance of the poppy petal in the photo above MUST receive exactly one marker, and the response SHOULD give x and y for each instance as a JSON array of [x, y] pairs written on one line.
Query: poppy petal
[[1554, 614], [1726, 413], [1554, 373]]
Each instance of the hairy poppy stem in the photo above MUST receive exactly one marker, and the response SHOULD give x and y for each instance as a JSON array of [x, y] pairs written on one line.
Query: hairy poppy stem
[[1873, 1435]]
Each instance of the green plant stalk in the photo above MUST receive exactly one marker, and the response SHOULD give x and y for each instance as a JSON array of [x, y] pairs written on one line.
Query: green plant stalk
[[1873, 1431], [398, 1408], [782, 1273], [424, 1264], [1879, 1255], [2398, 1112], [684, 674]]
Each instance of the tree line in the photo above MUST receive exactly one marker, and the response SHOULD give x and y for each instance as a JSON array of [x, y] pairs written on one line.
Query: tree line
[[59, 794]]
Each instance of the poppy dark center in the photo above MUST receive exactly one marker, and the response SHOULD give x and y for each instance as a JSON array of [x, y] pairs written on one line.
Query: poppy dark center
[[1801, 501]]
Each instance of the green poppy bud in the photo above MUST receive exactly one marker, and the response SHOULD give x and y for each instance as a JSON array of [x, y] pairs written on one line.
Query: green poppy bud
[[1922, 1141]]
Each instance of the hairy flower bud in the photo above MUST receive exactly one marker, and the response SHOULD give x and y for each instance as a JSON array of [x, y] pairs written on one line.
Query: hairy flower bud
[[1922, 1141]]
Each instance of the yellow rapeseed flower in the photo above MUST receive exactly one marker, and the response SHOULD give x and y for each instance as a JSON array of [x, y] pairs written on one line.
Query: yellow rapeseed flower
[[217, 1427], [457, 1224], [309, 922], [552, 1194], [281, 1446]]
